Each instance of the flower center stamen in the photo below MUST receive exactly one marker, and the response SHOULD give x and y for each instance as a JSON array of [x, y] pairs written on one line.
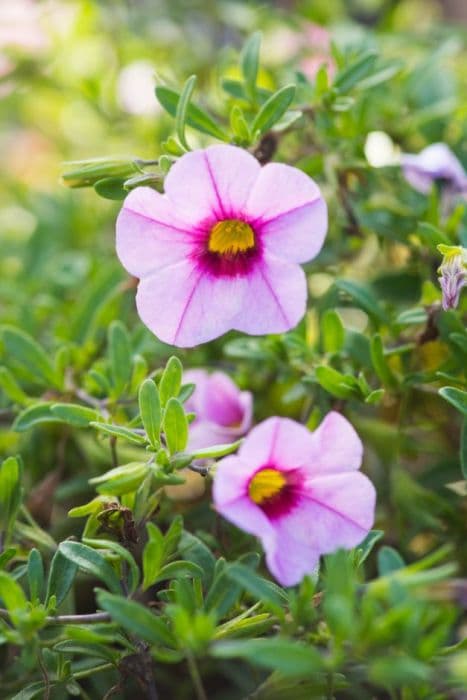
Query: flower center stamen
[[230, 237], [266, 485]]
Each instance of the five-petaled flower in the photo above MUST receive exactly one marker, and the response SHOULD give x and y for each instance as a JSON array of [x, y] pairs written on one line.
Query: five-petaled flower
[[223, 412], [301, 493], [220, 250], [452, 274], [435, 163]]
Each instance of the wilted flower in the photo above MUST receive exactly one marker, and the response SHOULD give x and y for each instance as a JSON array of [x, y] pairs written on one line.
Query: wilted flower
[[220, 249], [223, 412], [436, 162], [301, 493], [453, 274]]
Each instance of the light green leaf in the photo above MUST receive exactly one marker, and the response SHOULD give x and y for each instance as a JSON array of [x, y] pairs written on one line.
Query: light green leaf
[[24, 350], [273, 109], [119, 356], [195, 117], [120, 432], [332, 331], [456, 397], [74, 414], [182, 110], [249, 63], [171, 380], [288, 657], [175, 426], [150, 410], [35, 575]]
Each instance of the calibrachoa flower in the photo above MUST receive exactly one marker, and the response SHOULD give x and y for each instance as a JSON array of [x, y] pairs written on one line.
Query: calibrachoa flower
[[301, 493], [452, 274], [223, 412], [436, 162], [220, 249]]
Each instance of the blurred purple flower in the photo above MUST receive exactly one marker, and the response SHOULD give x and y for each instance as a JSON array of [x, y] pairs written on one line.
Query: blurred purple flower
[[223, 412], [436, 162], [452, 274], [301, 493], [220, 250]]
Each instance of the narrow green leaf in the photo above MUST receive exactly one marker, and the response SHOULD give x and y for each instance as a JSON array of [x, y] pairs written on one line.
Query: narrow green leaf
[[337, 384], [150, 410], [249, 63], [120, 432], [11, 593], [171, 380], [11, 387], [350, 76], [179, 569], [24, 350], [124, 554], [456, 397], [124, 479], [332, 331], [273, 109], [35, 575], [380, 364], [259, 587], [119, 356], [463, 448], [365, 548], [363, 298], [135, 618], [10, 493], [74, 414], [389, 560], [173, 535], [175, 426], [192, 549], [182, 109], [195, 117], [92, 562], [111, 188], [288, 657], [34, 415], [216, 451], [153, 555], [61, 576]]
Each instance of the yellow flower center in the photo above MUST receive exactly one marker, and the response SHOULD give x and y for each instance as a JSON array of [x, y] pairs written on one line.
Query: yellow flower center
[[230, 237], [266, 484]]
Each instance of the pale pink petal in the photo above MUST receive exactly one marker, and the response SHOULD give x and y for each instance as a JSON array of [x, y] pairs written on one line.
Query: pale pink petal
[[297, 235], [199, 377], [184, 307], [221, 401], [289, 560], [334, 511], [149, 234], [279, 442], [204, 434], [336, 447], [274, 297], [213, 183], [280, 189], [230, 495]]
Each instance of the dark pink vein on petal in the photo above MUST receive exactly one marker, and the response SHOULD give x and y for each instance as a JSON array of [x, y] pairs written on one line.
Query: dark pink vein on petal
[[274, 296], [333, 510], [214, 185], [187, 306]]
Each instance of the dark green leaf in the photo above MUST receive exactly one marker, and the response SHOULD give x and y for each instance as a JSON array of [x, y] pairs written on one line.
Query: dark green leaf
[[24, 350], [456, 397], [91, 562], [288, 657], [61, 576], [182, 110], [192, 549], [135, 619], [249, 62], [119, 356], [273, 109], [150, 410], [111, 188], [195, 117], [389, 560], [35, 575]]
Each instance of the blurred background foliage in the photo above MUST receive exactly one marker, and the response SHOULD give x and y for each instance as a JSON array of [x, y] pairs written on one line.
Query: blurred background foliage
[[77, 81]]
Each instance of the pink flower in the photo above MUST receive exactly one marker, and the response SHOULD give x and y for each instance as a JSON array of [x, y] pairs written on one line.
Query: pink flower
[[435, 162], [220, 249], [301, 493], [223, 412]]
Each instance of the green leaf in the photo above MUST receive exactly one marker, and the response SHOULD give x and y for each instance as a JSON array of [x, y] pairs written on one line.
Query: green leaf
[[273, 109], [124, 554], [216, 450], [61, 576], [249, 63], [12, 595], [340, 385], [456, 397], [35, 575], [150, 410], [260, 588], [363, 298], [173, 535], [349, 77], [11, 387], [92, 562], [182, 109], [192, 549], [120, 432], [24, 350], [364, 549], [74, 414], [171, 380], [195, 117], [153, 555], [120, 480], [119, 356], [288, 657], [111, 188], [463, 448], [389, 560], [135, 619], [380, 364], [34, 415], [332, 331], [179, 569], [10, 493], [175, 426]]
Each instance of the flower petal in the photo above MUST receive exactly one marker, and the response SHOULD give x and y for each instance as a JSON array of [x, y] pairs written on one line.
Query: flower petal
[[279, 442], [274, 297], [230, 497], [213, 183], [149, 234], [289, 560], [280, 189], [297, 235], [184, 307], [336, 447]]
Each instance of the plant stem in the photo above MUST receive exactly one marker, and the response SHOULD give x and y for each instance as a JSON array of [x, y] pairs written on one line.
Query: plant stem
[[90, 619], [195, 677]]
